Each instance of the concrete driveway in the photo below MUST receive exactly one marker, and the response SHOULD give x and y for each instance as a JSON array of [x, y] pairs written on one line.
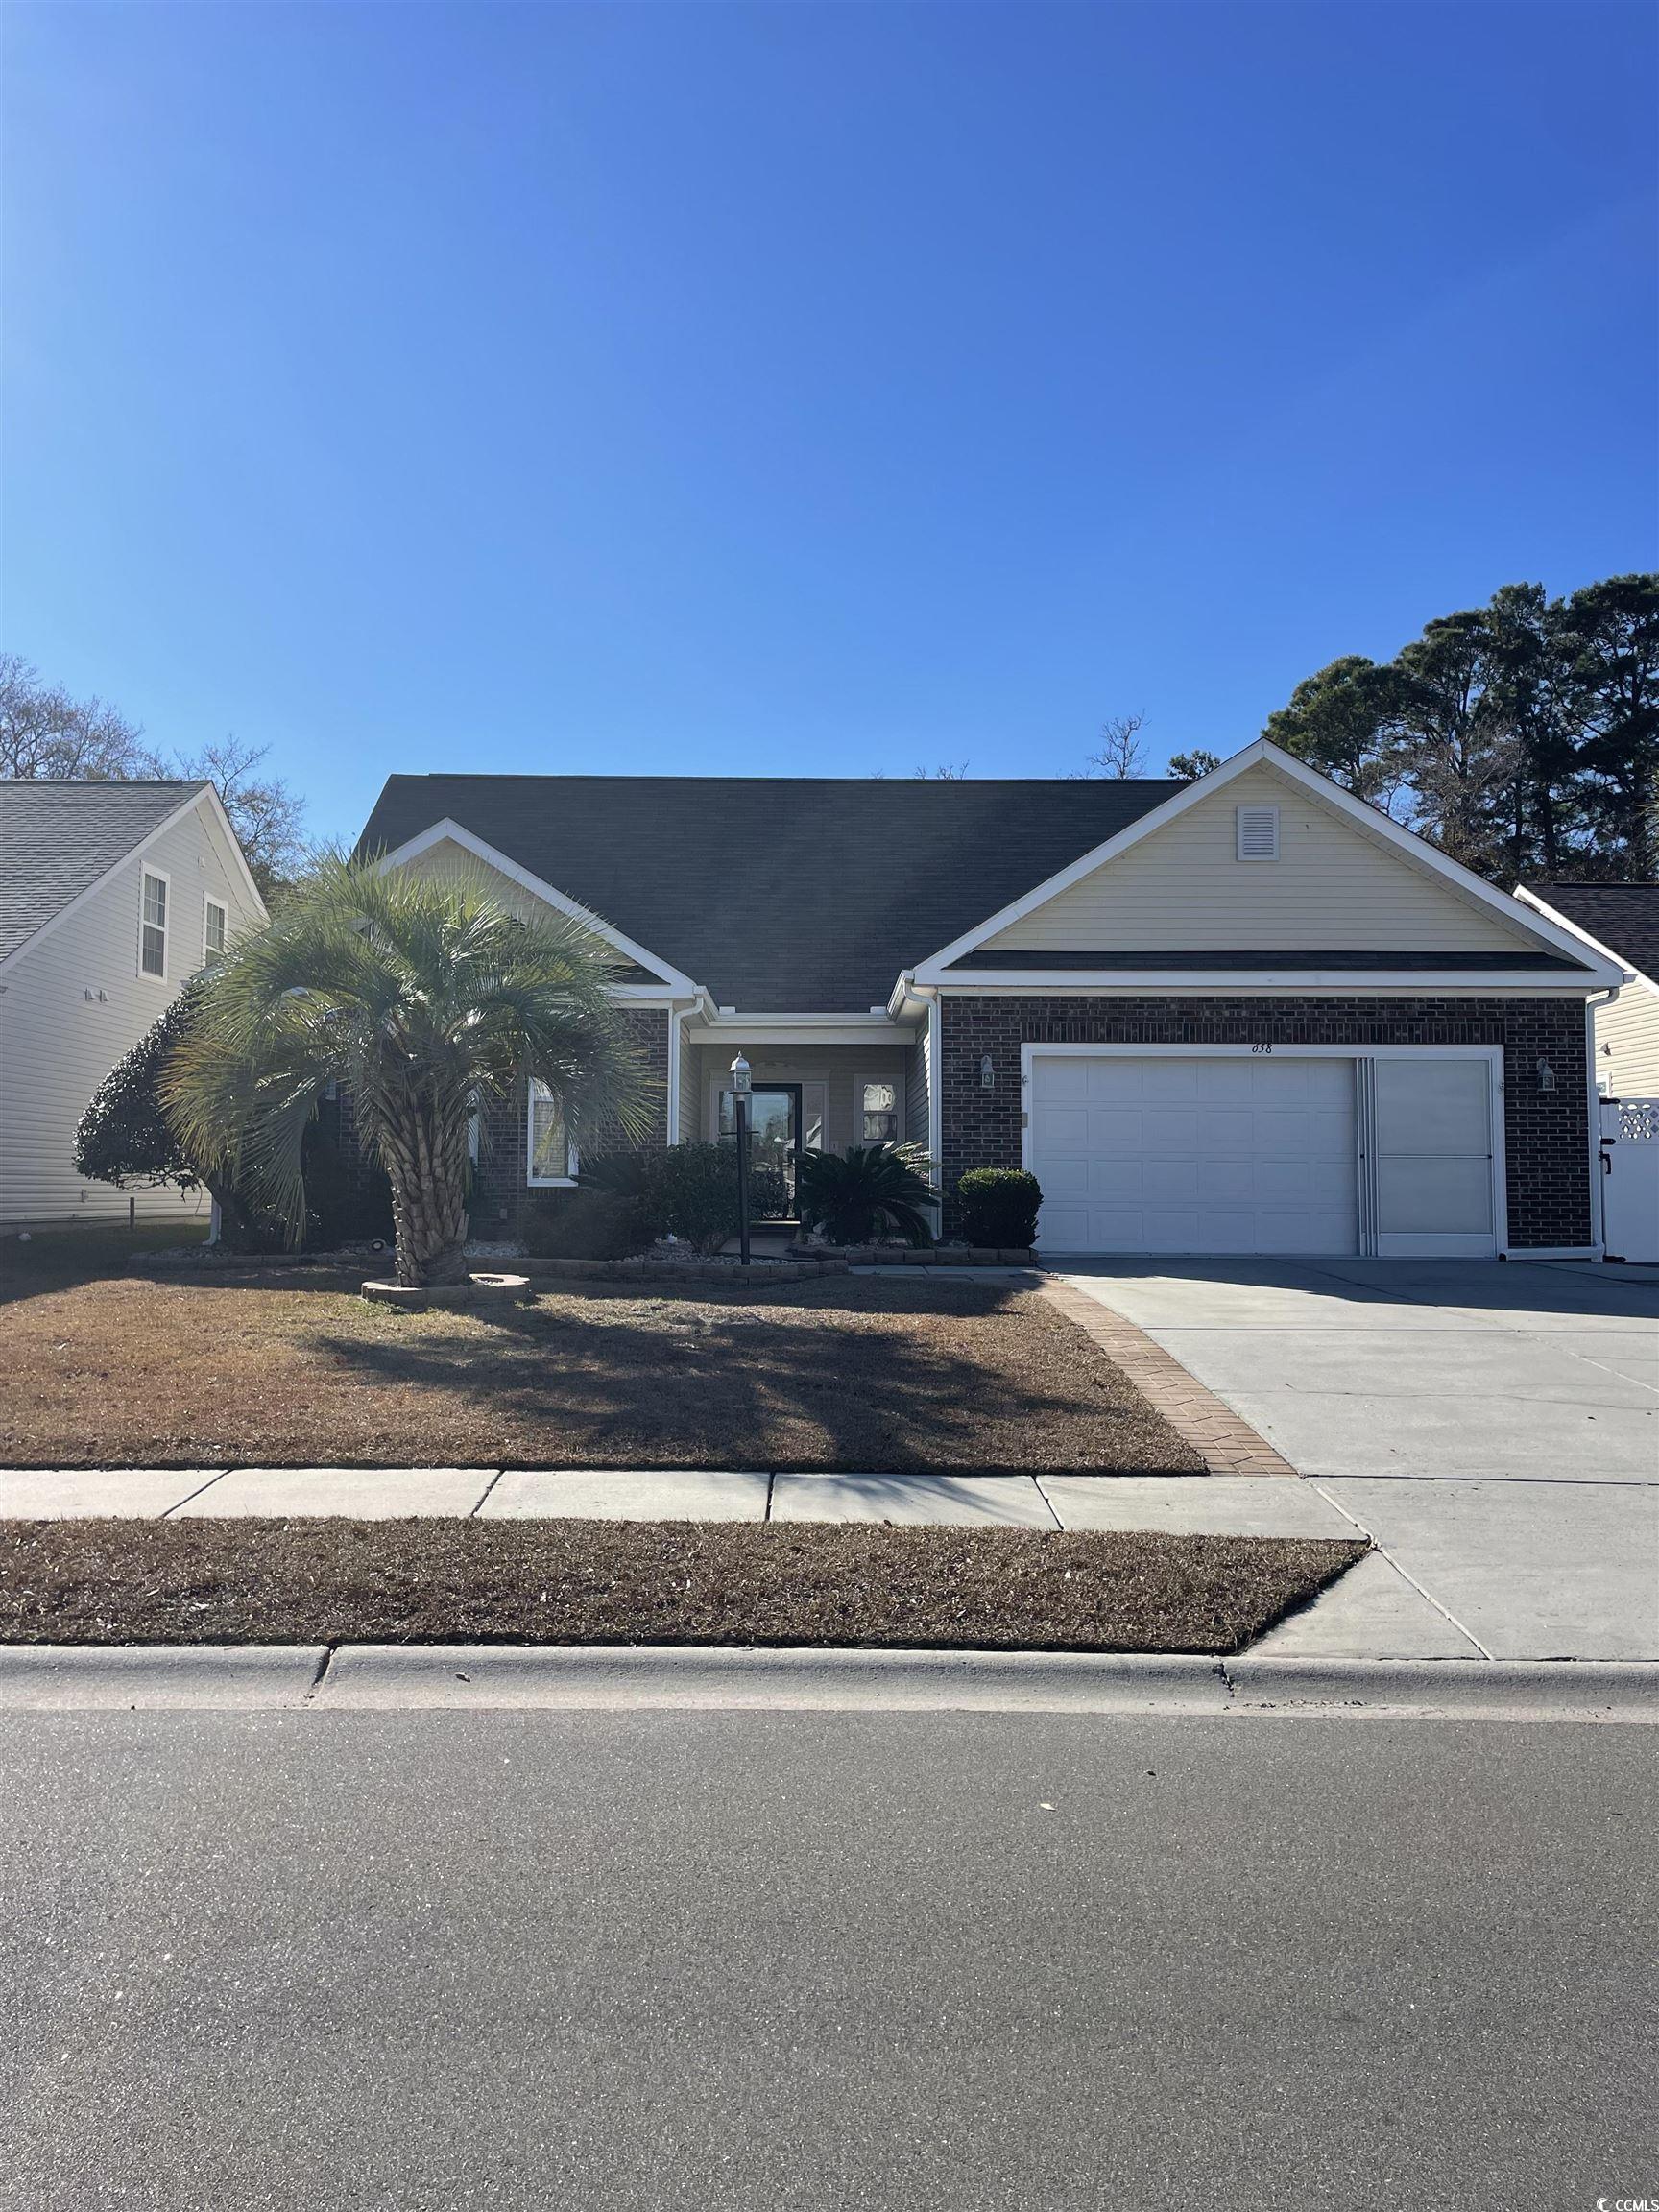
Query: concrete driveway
[[1493, 1425]]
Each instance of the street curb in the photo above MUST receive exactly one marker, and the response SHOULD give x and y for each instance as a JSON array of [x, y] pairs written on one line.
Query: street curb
[[155, 1677], [462, 1677], [671, 1676], [1450, 1689]]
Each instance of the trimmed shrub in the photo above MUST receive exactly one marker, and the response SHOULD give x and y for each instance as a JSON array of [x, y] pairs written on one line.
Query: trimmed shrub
[[686, 1191], [693, 1193], [585, 1224], [998, 1206]]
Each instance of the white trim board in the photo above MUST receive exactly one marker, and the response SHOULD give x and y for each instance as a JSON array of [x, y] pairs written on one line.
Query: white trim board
[[1367, 819], [1241, 982], [452, 831], [1395, 1245]]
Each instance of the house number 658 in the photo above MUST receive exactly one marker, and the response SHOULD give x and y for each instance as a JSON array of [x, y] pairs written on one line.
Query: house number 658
[[1260, 1048]]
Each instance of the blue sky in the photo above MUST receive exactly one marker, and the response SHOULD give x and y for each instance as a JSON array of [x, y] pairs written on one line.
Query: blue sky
[[802, 389]]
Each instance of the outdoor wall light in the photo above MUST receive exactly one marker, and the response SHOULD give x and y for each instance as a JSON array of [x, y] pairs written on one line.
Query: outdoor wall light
[[1546, 1076], [987, 1072]]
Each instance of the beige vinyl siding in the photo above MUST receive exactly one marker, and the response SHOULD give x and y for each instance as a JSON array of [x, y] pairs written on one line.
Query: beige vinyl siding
[[1184, 889], [74, 1002], [447, 862], [1630, 1027]]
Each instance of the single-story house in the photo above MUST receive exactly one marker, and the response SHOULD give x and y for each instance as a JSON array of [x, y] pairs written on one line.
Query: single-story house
[[1246, 1013], [1621, 923], [111, 897]]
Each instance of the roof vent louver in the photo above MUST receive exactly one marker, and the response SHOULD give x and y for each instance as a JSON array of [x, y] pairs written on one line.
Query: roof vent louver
[[1258, 833]]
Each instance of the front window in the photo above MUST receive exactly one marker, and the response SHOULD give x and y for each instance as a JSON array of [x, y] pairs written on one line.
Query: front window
[[878, 1114], [213, 931], [550, 1156], [152, 926]]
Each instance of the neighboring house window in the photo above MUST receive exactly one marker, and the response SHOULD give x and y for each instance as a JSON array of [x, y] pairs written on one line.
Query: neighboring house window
[[551, 1158], [877, 1114], [213, 930], [153, 928]]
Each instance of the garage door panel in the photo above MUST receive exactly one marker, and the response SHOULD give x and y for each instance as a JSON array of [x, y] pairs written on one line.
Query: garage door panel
[[1438, 1197], [1169, 1082], [1115, 1129], [1112, 1180], [1222, 1155]]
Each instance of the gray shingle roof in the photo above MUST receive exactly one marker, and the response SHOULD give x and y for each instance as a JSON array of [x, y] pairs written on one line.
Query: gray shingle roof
[[1624, 917], [57, 839], [777, 895]]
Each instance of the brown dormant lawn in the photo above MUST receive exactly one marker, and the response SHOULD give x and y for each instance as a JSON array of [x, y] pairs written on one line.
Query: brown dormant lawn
[[650, 1582], [200, 1369]]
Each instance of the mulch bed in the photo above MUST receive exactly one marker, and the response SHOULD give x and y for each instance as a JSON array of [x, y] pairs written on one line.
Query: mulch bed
[[232, 1581], [867, 1374]]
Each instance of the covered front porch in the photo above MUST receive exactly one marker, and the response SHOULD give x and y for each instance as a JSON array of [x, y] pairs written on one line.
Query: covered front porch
[[808, 1093]]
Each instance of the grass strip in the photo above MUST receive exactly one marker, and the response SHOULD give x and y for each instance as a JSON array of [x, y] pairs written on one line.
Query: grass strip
[[569, 1582]]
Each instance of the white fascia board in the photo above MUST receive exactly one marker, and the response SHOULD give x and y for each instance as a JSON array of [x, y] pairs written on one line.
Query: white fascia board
[[1430, 983], [452, 831], [1628, 973], [1368, 818], [804, 1028], [240, 857], [133, 853]]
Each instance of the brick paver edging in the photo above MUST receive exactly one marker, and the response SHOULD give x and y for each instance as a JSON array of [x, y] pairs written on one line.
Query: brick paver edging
[[761, 1275], [1224, 1439]]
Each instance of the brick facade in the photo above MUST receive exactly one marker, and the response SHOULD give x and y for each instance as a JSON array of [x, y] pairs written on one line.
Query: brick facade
[[499, 1185], [1547, 1135]]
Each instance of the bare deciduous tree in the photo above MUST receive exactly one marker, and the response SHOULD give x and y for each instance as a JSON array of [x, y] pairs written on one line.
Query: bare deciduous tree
[[266, 815], [1120, 753], [48, 736]]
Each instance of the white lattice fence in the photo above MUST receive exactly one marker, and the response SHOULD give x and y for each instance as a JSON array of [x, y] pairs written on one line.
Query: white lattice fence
[[1630, 1178]]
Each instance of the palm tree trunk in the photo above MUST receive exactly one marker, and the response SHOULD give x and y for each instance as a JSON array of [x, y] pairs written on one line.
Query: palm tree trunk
[[426, 1163]]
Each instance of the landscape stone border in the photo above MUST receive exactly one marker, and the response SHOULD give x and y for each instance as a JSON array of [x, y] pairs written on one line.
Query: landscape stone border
[[761, 1275], [1224, 1440], [935, 1255], [476, 1290]]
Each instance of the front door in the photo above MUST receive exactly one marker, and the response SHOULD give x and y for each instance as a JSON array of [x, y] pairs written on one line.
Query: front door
[[774, 1144]]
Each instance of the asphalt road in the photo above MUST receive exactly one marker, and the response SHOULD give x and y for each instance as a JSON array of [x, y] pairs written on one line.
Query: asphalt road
[[699, 1960]]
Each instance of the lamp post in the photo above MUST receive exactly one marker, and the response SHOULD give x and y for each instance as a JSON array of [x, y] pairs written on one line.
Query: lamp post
[[740, 1105]]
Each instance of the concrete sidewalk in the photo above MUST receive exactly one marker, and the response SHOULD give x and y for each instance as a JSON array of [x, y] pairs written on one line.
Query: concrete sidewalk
[[1203, 1503], [1462, 1569]]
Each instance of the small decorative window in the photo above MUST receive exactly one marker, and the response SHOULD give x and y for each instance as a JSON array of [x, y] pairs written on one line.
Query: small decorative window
[[877, 1114], [153, 928], [551, 1160], [1258, 833], [213, 930]]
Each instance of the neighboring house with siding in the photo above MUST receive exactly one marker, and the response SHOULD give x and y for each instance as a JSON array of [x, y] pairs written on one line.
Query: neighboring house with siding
[[1245, 1014], [1621, 922], [112, 895]]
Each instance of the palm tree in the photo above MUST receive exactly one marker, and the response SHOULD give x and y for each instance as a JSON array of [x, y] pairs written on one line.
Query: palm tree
[[428, 999]]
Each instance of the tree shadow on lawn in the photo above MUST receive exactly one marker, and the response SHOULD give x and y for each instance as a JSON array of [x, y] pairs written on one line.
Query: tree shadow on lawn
[[816, 1385]]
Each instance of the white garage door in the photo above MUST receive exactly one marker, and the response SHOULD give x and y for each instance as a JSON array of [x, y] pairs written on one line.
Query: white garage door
[[1254, 1153]]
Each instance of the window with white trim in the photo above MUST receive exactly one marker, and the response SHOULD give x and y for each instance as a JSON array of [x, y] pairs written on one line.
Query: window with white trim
[[551, 1158], [152, 926], [877, 1114], [214, 923]]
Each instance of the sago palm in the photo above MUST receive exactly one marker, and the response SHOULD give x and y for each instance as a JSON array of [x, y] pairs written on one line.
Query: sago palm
[[428, 998], [852, 1195]]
